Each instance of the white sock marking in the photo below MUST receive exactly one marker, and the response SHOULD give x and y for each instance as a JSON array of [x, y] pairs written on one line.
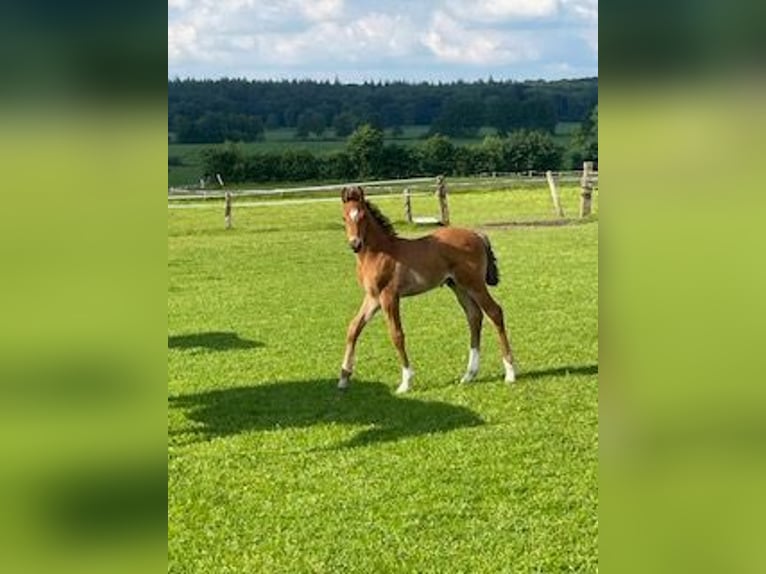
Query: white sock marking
[[407, 374], [473, 365], [510, 373]]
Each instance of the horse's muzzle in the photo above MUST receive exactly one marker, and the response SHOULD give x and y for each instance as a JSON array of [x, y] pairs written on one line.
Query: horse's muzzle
[[355, 244]]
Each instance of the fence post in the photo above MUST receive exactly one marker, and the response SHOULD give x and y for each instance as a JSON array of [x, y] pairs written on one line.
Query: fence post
[[227, 210], [554, 193], [407, 205], [586, 183], [441, 191]]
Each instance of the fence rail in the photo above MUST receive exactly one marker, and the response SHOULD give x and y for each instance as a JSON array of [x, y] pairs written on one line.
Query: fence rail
[[386, 186]]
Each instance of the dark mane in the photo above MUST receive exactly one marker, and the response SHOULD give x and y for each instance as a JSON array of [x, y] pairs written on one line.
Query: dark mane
[[382, 220]]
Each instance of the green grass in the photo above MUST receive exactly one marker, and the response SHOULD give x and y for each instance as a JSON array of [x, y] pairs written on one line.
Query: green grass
[[271, 469]]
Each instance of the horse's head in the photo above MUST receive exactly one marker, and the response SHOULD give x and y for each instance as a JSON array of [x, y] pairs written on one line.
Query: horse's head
[[354, 216]]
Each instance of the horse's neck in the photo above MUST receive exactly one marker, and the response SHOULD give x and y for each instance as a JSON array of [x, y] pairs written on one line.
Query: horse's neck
[[378, 240]]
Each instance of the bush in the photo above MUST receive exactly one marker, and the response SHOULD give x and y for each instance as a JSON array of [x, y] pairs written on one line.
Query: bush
[[438, 156], [536, 150], [367, 157]]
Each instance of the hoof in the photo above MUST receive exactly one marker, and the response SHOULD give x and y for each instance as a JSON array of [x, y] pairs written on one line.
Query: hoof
[[407, 374], [344, 380], [468, 377], [401, 389]]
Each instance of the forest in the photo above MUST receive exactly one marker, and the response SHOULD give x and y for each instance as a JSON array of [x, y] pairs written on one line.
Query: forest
[[214, 111]]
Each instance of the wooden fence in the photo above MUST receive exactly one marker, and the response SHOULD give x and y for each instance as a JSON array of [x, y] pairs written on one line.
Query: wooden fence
[[418, 185]]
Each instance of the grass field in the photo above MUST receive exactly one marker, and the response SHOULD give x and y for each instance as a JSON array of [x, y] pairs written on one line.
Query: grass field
[[271, 469], [190, 169]]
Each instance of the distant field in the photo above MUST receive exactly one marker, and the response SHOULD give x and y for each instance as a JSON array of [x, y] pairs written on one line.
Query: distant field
[[271, 469], [190, 169]]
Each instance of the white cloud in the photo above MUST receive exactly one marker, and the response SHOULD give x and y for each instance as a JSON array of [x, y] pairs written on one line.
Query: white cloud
[[182, 42], [230, 35], [373, 36], [451, 42], [583, 9], [495, 10], [321, 9], [394, 35], [300, 37]]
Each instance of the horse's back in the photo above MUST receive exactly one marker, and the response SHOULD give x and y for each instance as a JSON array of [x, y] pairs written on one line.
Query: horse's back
[[459, 238]]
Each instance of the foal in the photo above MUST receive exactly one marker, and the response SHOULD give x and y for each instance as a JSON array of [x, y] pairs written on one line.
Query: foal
[[389, 267]]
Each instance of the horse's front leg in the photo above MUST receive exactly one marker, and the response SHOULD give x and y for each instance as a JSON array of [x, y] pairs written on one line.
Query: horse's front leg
[[390, 304], [367, 311]]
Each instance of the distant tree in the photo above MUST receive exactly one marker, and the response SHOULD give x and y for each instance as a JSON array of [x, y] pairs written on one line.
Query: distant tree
[[532, 150], [539, 114], [584, 143], [343, 124], [317, 123], [309, 122], [493, 154], [208, 110], [338, 166], [226, 160], [272, 121], [460, 117], [468, 160], [299, 165], [437, 155], [365, 147], [302, 126], [263, 166], [397, 162], [391, 114], [503, 113]]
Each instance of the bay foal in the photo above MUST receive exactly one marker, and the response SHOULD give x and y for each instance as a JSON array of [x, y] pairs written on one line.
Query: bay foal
[[389, 268]]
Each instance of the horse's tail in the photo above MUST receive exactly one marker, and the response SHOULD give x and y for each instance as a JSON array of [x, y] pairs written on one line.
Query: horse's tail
[[493, 274]]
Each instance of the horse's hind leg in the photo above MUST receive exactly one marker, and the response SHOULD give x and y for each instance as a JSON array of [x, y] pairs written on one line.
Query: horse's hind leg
[[474, 317], [366, 312], [390, 304], [495, 314]]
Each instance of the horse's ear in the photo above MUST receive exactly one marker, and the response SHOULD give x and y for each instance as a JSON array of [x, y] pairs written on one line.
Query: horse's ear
[[355, 193]]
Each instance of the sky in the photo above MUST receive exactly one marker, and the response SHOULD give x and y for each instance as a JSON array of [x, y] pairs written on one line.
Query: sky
[[383, 40]]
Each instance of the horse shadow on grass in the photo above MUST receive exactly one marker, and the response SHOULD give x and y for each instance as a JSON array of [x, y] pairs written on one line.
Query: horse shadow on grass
[[211, 341], [564, 371], [301, 404]]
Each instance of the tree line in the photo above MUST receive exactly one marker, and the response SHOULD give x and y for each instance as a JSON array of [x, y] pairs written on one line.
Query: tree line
[[213, 111], [367, 157]]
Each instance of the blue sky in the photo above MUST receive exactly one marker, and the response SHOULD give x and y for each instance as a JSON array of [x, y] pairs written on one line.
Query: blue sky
[[358, 40]]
